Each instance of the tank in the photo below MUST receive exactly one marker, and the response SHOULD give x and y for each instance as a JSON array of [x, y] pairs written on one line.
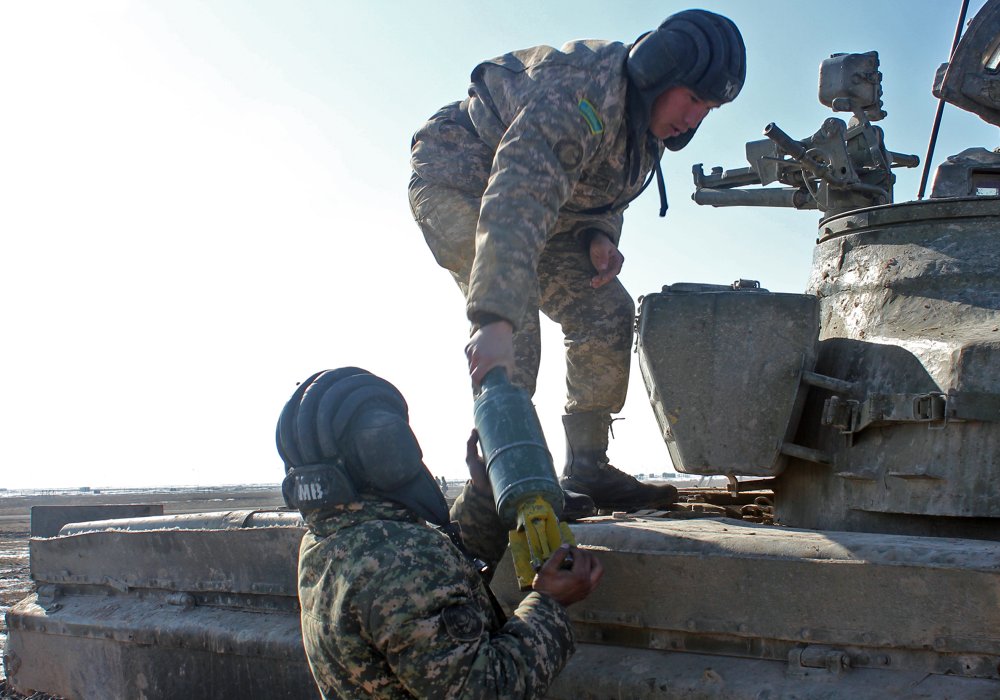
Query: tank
[[856, 551], [854, 554]]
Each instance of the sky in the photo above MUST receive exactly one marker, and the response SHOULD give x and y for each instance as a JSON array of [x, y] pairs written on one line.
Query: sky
[[203, 203]]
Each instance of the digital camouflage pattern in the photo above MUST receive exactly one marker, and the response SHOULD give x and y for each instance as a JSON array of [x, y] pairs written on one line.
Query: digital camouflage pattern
[[510, 185], [483, 533], [392, 609]]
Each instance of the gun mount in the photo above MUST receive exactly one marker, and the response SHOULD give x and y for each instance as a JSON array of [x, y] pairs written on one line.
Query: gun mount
[[842, 166]]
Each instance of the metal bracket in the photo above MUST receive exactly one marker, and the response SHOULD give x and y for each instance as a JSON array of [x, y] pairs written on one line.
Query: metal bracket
[[47, 597], [851, 416], [818, 659]]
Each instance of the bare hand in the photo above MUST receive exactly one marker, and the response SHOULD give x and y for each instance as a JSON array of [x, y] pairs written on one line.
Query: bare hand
[[476, 465], [606, 259], [568, 586], [491, 346]]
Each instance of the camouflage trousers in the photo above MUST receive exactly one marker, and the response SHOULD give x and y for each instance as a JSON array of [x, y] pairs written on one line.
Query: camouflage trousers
[[596, 323]]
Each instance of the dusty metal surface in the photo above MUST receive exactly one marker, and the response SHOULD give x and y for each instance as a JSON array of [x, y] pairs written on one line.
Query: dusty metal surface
[[602, 671], [47, 520], [901, 432], [154, 647], [222, 520], [723, 369], [970, 80], [782, 601], [796, 613], [975, 172], [911, 317], [163, 613], [14, 580]]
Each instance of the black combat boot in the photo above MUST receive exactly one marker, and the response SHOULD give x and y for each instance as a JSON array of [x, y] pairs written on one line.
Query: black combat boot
[[587, 469], [576, 506]]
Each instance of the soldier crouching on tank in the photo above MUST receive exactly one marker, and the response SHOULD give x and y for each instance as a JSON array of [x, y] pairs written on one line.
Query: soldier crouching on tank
[[393, 603], [520, 191]]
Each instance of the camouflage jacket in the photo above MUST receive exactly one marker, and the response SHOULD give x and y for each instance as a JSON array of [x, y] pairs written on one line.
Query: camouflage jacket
[[543, 139], [392, 609]]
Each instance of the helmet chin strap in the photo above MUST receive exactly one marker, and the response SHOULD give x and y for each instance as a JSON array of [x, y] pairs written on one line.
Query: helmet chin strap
[[661, 187]]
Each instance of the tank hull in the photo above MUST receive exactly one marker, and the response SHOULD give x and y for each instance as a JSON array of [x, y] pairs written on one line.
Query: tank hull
[[202, 606], [750, 611], [708, 608]]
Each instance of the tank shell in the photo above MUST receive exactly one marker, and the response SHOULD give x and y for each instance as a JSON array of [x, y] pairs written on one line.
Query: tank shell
[[518, 461]]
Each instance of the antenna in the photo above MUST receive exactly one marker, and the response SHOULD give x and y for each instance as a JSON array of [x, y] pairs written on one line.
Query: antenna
[[940, 106]]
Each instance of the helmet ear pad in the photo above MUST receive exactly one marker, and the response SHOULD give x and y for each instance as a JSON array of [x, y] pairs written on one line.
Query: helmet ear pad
[[382, 450], [383, 454], [317, 488]]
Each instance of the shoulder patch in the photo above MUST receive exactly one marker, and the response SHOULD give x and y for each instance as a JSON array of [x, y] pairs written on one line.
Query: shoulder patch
[[569, 153], [591, 117], [463, 623]]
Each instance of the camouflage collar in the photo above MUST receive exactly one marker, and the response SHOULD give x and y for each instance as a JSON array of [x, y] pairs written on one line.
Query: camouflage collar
[[356, 513]]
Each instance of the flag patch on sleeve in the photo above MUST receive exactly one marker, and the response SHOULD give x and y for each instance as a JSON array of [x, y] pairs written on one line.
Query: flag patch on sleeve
[[590, 116]]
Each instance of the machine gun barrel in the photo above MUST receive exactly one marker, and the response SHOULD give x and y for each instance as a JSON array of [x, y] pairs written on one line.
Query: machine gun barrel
[[785, 142], [904, 160], [796, 151], [767, 197]]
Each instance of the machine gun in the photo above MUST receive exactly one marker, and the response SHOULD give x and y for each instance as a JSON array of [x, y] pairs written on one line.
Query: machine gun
[[839, 168]]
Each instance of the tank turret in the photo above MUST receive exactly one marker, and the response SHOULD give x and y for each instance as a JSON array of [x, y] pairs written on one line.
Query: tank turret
[[900, 429]]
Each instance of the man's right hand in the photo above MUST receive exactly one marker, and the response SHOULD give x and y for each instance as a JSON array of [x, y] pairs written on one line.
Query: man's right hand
[[491, 346], [568, 586]]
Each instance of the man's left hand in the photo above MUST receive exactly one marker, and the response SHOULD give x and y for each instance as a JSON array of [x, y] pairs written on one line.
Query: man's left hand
[[476, 465], [568, 586], [606, 259]]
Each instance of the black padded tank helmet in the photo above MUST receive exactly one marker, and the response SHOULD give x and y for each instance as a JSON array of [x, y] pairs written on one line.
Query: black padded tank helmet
[[346, 432], [696, 49]]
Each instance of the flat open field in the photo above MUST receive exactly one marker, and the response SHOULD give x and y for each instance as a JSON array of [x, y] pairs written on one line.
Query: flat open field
[[15, 521]]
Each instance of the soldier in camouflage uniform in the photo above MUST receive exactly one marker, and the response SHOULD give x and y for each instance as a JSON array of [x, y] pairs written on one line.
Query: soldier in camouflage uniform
[[393, 603], [520, 191]]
